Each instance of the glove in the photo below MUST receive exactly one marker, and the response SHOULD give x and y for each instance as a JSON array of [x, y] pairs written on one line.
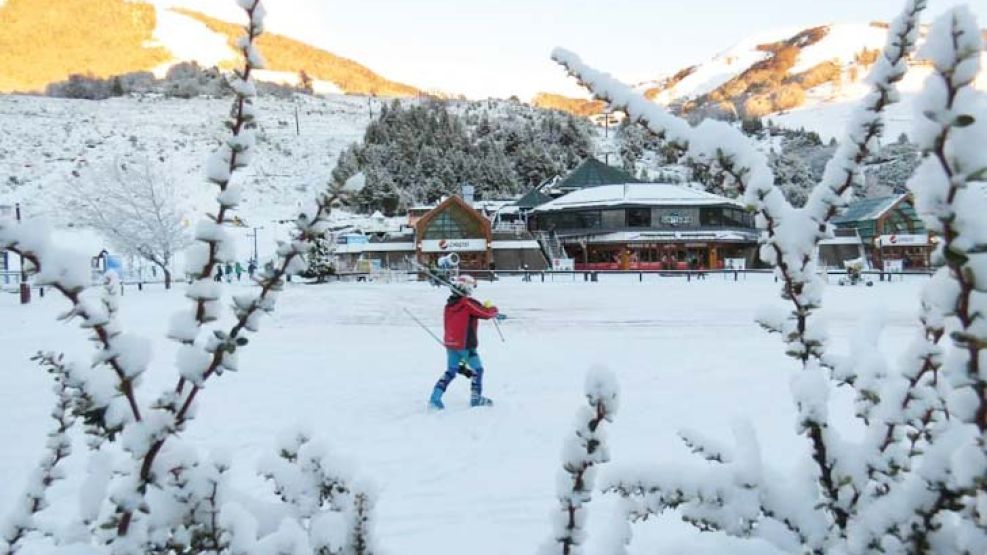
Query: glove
[[487, 304], [464, 370], [501, 317]]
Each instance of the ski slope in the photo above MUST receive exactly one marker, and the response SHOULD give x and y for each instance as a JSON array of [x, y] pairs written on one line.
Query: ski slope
[[344, 361], [50, 144]]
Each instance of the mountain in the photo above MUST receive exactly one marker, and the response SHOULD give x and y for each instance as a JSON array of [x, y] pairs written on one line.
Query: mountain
[[575, 106], [45, 41], [797, 77]]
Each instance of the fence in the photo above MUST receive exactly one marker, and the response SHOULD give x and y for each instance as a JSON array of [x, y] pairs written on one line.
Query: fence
[[390, 276], [594, 275]]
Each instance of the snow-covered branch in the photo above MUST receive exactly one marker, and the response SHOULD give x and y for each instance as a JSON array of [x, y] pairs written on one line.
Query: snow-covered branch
[[57, 448], [154, 499], [949, 188], [582, 452], [236, 152], [788, 241], [68, 273], [214, 247], [735, 494]]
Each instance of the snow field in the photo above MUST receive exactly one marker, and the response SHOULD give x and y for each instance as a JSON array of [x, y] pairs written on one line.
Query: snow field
[[344, 361], [50, 138]]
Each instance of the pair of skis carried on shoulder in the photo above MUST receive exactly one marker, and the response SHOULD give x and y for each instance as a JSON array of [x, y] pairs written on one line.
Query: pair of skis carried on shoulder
[[432, 275]]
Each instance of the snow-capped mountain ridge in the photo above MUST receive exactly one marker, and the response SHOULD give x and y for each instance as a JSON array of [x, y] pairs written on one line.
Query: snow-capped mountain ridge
[[774, 71], [798, 77]]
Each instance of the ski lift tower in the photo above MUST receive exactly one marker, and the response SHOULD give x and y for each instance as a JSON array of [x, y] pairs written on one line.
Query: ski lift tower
[[607, 146]]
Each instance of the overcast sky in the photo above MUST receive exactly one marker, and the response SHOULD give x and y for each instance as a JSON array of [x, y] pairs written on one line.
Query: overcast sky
[[501, 47]]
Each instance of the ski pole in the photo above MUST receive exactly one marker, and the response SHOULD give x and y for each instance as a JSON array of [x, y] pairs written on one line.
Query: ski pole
[[424, 327], [464, 368], [499, 332]]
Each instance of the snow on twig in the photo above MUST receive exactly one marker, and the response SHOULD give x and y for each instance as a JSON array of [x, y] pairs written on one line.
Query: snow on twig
[[788, 241], [581, 454]]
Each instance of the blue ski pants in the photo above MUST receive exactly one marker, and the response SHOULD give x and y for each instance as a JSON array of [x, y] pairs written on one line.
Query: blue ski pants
[[472, 360]]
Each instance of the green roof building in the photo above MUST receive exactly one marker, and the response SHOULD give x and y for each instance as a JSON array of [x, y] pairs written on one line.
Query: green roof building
[[590, 173], [889, 229], [593, 173]]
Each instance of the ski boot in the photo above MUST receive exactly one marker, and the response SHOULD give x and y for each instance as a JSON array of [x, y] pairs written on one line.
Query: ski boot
[[435, 401], [480, 401]]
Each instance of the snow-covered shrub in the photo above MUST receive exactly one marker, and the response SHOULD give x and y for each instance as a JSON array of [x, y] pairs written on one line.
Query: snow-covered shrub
[[145, 489], [917, 481], [189, 80], [86, 87], [581, 453]]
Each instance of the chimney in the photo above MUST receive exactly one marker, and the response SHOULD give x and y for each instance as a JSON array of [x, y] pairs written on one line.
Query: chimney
[[468, 191]]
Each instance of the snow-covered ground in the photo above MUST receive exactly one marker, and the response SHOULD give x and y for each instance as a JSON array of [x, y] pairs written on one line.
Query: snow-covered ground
[[48, 143], [346, 362]]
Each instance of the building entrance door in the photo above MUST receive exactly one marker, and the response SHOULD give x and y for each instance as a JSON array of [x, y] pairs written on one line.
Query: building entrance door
[[625, 259]]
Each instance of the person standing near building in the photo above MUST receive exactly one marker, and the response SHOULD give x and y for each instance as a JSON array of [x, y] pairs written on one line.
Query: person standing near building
[[239, 270], [462, 314]]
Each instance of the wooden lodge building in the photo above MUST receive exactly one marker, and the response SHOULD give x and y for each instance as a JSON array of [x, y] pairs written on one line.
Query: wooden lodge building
[[648, 226], [887, 229], [596, 218], [454, 226], [600, 218]]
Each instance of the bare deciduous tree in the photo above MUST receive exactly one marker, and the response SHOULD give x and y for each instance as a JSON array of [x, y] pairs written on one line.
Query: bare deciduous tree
[[136, 207]]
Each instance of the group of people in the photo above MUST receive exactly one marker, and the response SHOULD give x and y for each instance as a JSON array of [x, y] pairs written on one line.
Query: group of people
[[229, 270]]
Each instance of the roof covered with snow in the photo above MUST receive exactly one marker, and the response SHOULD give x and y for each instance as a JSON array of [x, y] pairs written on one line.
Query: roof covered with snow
[[636, 194], [867, 209], [723, 236]]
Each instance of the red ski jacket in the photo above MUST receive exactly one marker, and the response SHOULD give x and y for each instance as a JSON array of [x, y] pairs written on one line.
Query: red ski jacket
[[461, 315]]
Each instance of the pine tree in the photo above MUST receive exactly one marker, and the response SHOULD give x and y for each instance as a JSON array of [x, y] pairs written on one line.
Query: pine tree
[[321, 265], [420, 152]]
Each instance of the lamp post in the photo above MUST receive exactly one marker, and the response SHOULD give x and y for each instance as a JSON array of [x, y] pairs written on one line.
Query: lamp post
[[25, 288], [254, 235]]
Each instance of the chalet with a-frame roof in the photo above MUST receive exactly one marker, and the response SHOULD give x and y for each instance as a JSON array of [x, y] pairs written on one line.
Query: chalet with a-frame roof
[[889, 230], [455, 226]]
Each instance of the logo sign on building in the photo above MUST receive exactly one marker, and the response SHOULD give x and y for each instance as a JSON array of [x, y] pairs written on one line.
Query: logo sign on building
[[903, 240], [676, 219], [453, 245]]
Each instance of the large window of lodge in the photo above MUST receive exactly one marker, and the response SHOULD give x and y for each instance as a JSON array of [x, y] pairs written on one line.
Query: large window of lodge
[[638, 217], [735, 217], [613, 219], [590, 219], [445, 226], [711, 217], [719, 216]]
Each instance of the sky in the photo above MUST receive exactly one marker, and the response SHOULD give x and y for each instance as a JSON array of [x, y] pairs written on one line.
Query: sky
[[499, 48]]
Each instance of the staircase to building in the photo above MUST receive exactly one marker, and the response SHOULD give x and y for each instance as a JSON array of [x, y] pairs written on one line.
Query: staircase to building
[[551, 245]]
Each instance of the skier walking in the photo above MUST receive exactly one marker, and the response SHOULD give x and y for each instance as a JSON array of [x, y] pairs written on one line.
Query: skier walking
[[461, 315]]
